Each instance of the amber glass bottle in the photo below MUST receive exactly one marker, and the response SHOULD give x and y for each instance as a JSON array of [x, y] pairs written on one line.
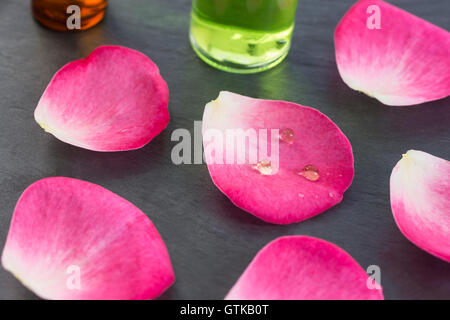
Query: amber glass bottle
[[54, 14]]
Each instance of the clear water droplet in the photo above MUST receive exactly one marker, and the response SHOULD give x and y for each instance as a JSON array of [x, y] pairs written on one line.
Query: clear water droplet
[[287, 135], [310, 173], [301, 195], [264, 167], [331, 194]]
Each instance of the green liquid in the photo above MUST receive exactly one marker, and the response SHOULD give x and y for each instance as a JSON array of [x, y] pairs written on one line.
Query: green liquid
[[243, 36]]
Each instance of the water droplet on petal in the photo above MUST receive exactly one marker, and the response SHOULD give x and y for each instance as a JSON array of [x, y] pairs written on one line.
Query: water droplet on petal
[[310, 172], [287, 135], [331, 194], [264, 167], [301, 195]]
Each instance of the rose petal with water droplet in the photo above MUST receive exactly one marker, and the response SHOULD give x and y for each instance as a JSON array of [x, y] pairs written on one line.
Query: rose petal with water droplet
[[311, 173], [392, 55], [304, 268], [264, 167], [287, 135], [114, 100], [420, 201], [71, 239], [275, 198]]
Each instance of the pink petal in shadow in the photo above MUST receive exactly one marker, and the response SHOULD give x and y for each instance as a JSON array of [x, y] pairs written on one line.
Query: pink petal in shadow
[[392, 55], [70, 239], [114, 100], [304, 268], [420, 201], [312, 170]]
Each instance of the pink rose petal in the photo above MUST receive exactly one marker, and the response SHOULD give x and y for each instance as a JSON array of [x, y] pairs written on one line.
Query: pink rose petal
[[114, 100], [70, 239], [314, 167], [304, 268], [405, 62], [420, 201]]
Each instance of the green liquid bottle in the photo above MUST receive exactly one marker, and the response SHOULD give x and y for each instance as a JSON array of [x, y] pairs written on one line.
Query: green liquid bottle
[[242, 36]]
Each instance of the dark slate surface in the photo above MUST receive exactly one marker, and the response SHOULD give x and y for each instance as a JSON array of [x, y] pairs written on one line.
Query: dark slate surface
[[211, 241]]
